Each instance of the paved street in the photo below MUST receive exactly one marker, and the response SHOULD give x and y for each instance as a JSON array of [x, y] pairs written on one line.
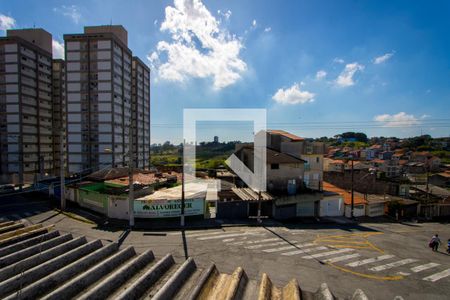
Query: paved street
[[384, 259]]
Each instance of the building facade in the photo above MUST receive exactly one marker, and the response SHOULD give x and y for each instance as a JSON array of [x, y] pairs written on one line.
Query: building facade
[[141, 113], [26, 141], [309, 151], [99, 97], [59, 114]]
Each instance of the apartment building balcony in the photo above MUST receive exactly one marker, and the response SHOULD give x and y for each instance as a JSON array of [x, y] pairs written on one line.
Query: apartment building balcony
[[29, 110], [30, 149]]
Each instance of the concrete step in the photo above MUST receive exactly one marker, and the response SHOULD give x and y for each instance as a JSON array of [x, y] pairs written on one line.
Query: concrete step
[[6, 223], [19, 231], [79, 283], [148, 279], [34, 274], [24, 235], [174, 283], [189, 284], [214, 285], [204, 284], [109, 284], [28, 243], [27, 252], [13, 226], [268, 291], [51, 281], [40, 258]]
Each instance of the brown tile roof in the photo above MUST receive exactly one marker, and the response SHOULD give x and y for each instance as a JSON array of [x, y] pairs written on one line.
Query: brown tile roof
[[275, 157], [357, 198], [286, 134], [337, 161], [378, 161]]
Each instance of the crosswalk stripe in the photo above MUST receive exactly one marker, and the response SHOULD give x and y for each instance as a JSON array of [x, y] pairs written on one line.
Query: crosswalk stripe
[[424, 267], [304, 251], [341, 258], [437, 276], [228, 240], [204, 234], [403, 273], [267, 245], [288, 247], [328, 253], [369, 260], [295, 231], [254, 242], [229, 235], [393, 264]]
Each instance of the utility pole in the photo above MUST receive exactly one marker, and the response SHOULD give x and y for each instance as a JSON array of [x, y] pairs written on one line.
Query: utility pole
[[182, 186], [428, 180], [130, 177], [259, 208], [62, 172], [353, 202]]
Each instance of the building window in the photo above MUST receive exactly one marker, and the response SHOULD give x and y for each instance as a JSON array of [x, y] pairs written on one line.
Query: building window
[[274, 166], [317, 159]]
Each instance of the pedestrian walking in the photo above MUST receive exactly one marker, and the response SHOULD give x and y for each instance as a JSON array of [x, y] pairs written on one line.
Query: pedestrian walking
[[434, 242]]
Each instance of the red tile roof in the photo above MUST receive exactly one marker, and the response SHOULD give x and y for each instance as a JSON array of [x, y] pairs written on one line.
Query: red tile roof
[[286, 134], [357, 198]]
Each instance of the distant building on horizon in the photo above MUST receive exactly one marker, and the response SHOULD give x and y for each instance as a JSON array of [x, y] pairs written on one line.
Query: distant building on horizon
[[216, 139]]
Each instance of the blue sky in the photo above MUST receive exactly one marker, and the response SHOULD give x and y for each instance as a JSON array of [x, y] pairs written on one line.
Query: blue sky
[[318, 67]]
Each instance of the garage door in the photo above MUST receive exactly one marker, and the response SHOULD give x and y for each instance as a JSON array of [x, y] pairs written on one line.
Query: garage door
[[331, 208], [305, 209]]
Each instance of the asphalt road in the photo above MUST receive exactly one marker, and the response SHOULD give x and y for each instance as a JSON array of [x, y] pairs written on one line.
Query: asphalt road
[[385, 260]]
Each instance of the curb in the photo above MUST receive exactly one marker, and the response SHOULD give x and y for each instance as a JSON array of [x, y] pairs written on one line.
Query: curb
[[74, 216]]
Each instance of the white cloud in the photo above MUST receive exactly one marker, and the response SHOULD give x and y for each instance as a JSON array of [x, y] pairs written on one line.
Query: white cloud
[[321, 74], [401, 119], [267, 29], [345, 79], [338, 60], [227, 14], [381, 59], [6, 22], [58, 49], [254, 23], [70, 11], [198, 48], [293, 95]]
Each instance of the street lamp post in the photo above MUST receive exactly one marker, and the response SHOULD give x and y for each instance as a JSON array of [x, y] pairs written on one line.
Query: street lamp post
[[353, 192], [182, 187]]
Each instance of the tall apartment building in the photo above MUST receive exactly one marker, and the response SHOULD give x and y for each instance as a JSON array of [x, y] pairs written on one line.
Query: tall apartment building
[[141, 113], [59, 113], [25, 105], [98, 88]]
